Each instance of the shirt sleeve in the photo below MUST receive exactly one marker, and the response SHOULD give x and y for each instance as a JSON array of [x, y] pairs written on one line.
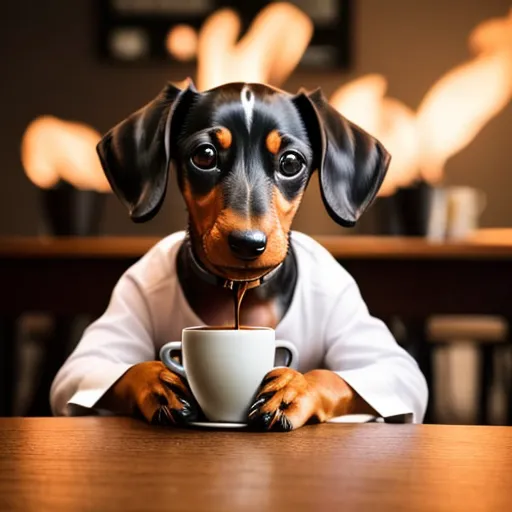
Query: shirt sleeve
[[361, 349], [120, 338]]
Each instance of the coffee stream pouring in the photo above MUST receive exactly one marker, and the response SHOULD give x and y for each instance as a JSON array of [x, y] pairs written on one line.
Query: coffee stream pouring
[[239, 288]]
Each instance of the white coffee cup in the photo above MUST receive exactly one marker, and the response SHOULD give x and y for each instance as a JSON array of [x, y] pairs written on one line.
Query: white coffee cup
[[466, 204], [225, 367], [454, 212]]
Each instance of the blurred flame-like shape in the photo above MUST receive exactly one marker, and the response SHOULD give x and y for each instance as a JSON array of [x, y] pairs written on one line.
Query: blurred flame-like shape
[[450, 116], [363, 102], [492, 35], [457, 108], [53, 150], [452, 113], [181, 42], [263, 55], [464, 100]]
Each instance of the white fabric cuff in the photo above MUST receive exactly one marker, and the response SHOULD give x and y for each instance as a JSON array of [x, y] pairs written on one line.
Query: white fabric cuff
[[379, 394], [92, 387]]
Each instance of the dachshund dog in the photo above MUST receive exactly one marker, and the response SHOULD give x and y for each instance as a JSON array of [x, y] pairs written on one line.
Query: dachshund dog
[[243, 155]]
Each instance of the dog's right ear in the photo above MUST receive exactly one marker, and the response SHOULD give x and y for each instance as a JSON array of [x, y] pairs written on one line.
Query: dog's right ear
[[135, 154], [352, 164]]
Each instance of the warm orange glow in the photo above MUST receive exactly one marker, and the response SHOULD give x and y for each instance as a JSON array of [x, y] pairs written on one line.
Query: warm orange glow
[[466, 98], [182, 42], [452, 113], [492, 35], [53, 150], [363, 102], [265, 54], [491, 236], [458, 106]]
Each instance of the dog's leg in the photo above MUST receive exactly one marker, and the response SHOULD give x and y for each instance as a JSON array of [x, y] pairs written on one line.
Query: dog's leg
[[288, 399], [151, 390]]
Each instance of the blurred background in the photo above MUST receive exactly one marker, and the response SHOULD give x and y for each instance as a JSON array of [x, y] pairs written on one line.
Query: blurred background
[[432, 81]]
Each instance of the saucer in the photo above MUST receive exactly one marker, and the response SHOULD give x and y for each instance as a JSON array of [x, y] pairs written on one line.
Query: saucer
[[216, 424], [354, 418]]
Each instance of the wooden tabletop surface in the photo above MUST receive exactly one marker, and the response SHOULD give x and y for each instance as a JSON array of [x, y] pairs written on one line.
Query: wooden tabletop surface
[[486, 244], [107, 464]]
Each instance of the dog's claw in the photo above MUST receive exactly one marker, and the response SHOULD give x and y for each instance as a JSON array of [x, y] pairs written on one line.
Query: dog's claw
[[283, 424], [165, 416], [255, 406], [274, 401], [275, 421], [162, 417], [186, 403], [269, 421], [188, 412], [263, 421]]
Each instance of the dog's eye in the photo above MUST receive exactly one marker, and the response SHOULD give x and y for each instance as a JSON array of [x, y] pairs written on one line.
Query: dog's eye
[[204, 157], [291, 163]]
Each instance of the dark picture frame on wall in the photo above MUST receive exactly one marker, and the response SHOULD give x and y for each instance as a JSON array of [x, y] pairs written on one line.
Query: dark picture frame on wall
[[134, 32]]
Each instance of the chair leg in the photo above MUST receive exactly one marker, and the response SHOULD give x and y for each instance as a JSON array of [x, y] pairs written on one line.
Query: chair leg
[[8, 364], [426, 363], [55, 352], [423, 351], [485, 370], [508, 384]]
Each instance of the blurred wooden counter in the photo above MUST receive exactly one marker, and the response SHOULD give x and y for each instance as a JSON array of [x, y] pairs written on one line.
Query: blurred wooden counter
[[368, 247], [405, 276]]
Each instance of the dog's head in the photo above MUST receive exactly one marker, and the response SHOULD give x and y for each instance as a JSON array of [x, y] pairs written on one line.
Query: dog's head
[[243, 155]]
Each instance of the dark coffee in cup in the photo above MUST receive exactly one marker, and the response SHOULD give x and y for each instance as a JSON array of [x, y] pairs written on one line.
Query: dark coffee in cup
[[225, 328]]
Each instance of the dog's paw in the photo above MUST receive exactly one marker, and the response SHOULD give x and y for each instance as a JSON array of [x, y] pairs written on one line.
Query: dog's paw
[[284, 402], [162, 397], [175, 403]]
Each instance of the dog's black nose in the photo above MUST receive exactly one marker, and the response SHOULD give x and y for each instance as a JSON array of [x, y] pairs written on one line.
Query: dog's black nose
[[247, 245]]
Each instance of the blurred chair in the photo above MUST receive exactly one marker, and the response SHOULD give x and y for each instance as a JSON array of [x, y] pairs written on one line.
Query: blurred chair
[[488, 334], [43, 343]]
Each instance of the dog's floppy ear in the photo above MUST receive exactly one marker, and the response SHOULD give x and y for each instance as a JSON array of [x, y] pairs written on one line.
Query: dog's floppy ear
[[352, 164], [135, 154]]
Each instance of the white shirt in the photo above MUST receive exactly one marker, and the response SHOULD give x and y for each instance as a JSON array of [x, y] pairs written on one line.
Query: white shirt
[[327, 321]]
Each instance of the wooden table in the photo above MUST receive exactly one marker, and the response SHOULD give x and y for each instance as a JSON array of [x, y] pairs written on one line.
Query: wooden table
[[409, 277], [110, 464]]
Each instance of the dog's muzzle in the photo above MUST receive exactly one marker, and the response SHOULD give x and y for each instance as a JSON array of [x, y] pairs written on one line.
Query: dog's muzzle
[[211, 278], [247, 245]]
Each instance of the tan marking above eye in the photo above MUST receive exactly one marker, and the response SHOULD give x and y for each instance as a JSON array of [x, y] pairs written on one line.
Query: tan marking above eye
[[224, 137], [273, 142]]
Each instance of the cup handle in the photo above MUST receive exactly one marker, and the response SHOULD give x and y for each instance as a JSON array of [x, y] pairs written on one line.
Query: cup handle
[[166, 357], [293, 359]]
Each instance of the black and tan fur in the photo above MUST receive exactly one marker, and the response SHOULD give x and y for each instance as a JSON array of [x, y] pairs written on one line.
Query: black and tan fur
[[242, 155]]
